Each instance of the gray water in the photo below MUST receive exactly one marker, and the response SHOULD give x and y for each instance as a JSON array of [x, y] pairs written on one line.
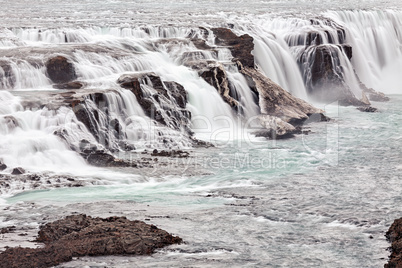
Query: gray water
[[322, 199]]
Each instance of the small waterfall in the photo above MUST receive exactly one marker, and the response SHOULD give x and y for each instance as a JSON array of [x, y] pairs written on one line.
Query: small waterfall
[[28, 140], [376, 38]]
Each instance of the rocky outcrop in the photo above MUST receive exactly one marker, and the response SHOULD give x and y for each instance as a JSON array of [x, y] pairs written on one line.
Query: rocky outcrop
[[2, 165], [81, 235], [7, 76], [60, 70], [367, 109], [275, 101], [214, 74], [240, 46], [324, 77], [394, 236], [164, 102]]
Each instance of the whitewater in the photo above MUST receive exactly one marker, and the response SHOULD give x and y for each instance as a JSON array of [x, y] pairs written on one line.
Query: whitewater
[[324, 198]]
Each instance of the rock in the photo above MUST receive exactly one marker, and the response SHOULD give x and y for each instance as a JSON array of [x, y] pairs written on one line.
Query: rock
[[164, 102], [2, 166], [323, 75], [275, 101], [7, 76], [394, 236], [18, 171], [240, 46], [60, 70], [69, 85], [215, 75], [367, 109], [173, 153], [275, 127], [81, 235], [102, 159]]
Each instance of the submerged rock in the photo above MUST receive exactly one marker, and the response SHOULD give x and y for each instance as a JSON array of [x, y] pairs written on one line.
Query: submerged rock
[[60, 70], [367, 109], [81, 235], [394, 235], [69, 85]]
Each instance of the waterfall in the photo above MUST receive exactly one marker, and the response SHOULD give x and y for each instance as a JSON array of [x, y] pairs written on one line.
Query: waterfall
[[376, 38]]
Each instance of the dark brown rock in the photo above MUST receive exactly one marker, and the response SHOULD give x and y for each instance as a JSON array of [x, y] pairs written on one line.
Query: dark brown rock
[[367, 109], [240, 46], [323, 75], [275, 101], [18, 171], [69, 85], [165, 102], [215, 75], [2, 166], [394, 236], [60, 70], [81, 235]]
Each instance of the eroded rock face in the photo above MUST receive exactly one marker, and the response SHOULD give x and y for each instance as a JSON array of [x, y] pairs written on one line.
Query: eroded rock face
[[165, 102], [275, 101], [394, 235], [60, 70], [215, 75], [81, 235], [240, 46]]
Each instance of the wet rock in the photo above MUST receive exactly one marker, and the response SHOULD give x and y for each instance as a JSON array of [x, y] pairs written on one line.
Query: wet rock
[[69, 85], [275, 127], [367, 109], [240, 46], [2, 166], [18, 171], [394, 236], [172, 153], [323, 74], [103, 159], [215, 75], [6, 230], [275, 101], [7, 76], [81, 235], [60, 70], [164, 102]]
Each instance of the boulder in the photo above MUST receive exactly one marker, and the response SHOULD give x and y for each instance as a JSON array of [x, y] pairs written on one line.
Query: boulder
[[367, 109], [2, 166], [275, 128], [18, 171], [7, 76], [60, 70], [275, 101], [81, 235]]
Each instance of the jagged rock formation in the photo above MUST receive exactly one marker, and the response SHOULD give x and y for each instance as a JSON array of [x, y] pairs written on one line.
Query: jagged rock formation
[[394, 235], [240, 46], [60, 70], [81, 235], [165, 102]]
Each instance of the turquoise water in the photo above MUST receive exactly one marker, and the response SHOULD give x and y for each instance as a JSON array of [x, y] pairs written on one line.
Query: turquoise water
[[323, 199]]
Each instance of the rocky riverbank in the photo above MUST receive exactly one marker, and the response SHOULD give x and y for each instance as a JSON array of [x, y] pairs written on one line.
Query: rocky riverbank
[[394, 235], [82, 235]]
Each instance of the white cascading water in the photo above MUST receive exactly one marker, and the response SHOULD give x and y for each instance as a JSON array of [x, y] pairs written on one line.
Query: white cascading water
[[376, 38]]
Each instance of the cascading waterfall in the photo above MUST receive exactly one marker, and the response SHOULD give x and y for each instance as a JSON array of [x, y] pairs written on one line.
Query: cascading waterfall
[[376, 38], [285, 49]]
